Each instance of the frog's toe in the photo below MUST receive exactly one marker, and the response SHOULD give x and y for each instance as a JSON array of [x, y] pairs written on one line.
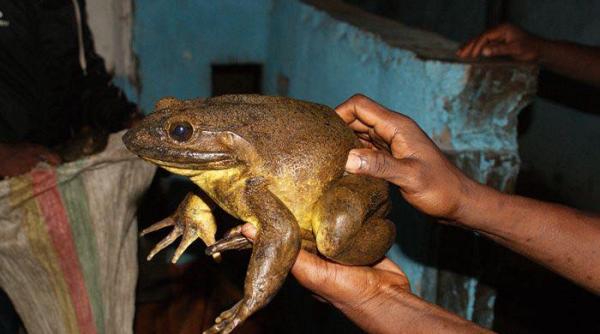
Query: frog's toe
[[229, 320], [169, 221], [189, 236], [177, 231], [229, 313], [229, 243], [235, 231]]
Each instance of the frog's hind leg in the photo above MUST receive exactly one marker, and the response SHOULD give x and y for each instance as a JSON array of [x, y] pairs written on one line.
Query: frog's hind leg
[[274, 251], [349, 221]]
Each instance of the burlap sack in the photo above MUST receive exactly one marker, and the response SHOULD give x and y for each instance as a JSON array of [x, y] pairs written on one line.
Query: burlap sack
[[68, 240]]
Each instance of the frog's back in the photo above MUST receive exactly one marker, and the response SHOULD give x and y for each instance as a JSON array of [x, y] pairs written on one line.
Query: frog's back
[[295, 138]]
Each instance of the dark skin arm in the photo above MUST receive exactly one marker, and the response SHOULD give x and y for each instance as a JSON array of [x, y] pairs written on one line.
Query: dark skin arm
[[572, 60]]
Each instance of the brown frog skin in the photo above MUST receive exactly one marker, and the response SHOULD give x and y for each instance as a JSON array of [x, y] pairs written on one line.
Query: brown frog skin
[[274, 162]]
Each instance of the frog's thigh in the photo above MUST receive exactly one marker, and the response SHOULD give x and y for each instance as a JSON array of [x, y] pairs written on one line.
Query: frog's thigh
[[349, 222]]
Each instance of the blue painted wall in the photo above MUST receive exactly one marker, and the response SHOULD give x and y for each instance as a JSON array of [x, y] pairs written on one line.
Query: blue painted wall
[[176, 41]]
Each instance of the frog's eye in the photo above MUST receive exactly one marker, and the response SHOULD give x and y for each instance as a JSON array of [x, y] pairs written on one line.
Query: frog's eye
[[181, 131]]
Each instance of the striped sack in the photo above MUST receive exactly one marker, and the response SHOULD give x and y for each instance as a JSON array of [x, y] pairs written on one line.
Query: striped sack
[[68, 242]]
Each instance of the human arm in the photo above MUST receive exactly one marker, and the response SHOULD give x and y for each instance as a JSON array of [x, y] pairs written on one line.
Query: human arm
[[377, 299], [576, 61], [564, 240]]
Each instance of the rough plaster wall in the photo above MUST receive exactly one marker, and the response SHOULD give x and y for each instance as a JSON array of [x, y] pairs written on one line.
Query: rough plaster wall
[[561, 147]]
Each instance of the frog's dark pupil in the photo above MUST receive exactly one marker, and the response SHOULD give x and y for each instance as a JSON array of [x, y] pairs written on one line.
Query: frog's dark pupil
[[181, 131]]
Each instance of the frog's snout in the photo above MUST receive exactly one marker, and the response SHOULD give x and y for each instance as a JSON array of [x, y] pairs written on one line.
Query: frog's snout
[[139, 140], [129, 139]]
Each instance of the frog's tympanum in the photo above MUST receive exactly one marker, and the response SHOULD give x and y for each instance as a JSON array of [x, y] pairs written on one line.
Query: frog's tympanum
[[273, 162]]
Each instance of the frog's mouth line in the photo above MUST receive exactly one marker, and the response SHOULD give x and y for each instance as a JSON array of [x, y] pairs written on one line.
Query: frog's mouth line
[[197, 161]]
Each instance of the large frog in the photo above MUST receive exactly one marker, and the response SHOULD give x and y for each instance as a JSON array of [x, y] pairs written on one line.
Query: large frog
[[274, 162]]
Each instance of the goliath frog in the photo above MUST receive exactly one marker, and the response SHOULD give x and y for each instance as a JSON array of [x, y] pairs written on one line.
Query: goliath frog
[[274, 162]]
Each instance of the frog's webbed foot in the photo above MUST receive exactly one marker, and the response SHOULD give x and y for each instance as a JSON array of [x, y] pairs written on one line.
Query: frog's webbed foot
[[230, 319], [192, 220], [232, 240]]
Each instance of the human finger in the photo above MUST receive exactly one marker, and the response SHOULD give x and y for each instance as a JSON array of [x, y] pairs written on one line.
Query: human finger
[[465, 50], [249, 231], [472, 49], [366, 143], [363, 109], [501, 50], [357, 126], [378, 164], [373, 115], [496, 35]]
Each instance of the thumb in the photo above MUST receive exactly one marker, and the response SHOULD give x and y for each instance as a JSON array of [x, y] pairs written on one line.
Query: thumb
[[376, 164]]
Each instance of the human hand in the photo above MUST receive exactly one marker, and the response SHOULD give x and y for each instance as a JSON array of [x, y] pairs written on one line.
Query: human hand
[[17, 159], [504, 40], [401, 153], [346, 287]]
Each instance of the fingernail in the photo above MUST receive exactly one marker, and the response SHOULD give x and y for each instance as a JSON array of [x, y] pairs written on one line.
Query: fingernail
[[353, 162]]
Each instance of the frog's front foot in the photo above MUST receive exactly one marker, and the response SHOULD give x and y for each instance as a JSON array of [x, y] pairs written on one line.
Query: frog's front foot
[[188, 232], [192, 220], [230, 319]]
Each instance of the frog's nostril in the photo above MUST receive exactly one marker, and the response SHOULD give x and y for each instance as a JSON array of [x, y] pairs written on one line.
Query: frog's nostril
[[181, 131]]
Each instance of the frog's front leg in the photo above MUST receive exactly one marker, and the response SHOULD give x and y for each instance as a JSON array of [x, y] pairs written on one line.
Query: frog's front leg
[[193, 219], [274, 251]]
